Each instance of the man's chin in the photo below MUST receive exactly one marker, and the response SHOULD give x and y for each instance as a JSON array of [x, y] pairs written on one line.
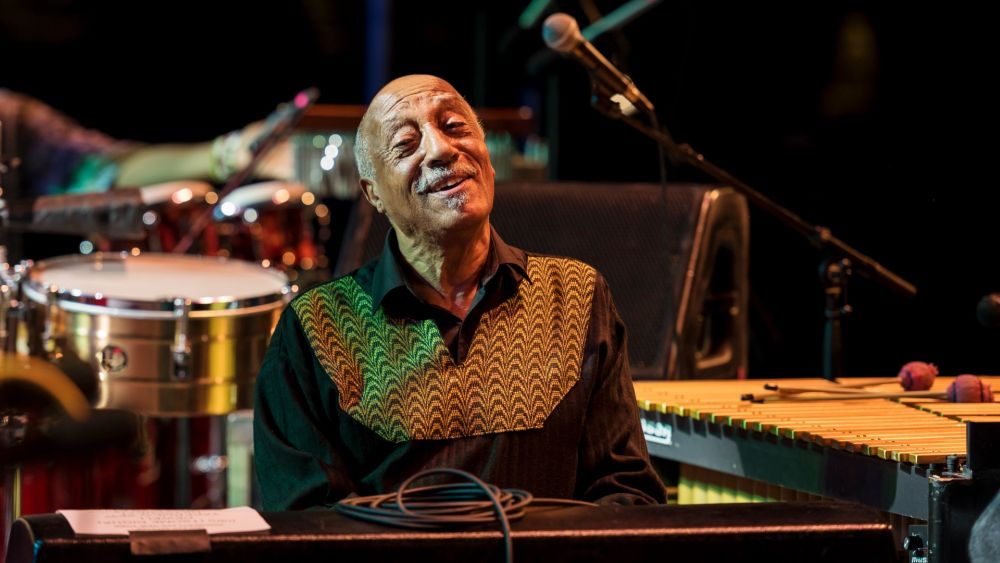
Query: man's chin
[[461, 212], [457, 202]]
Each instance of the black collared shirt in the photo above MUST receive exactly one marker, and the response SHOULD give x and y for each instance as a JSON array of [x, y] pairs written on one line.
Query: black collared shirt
[[310, 453], [389, 280]]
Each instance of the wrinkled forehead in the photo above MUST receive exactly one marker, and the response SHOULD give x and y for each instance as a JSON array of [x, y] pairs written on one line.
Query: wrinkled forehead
[[410, 92]]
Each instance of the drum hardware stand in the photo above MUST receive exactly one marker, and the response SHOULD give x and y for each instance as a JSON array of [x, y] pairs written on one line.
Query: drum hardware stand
[[8, 280], [211, 466], [13, 424], [181, 351], [13, 429], [840, 257]]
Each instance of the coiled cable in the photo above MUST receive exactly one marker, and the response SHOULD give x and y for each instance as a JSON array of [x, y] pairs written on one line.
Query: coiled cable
[[447, 505]]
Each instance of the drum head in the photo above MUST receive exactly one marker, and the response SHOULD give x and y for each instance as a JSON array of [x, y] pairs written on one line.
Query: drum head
[[152, 281]]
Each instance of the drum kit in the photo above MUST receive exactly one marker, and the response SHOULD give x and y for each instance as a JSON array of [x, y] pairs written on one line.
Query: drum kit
[[175, 340], [273, 223]]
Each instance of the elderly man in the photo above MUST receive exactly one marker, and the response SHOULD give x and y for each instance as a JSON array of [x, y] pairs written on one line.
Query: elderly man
[[452, 349]]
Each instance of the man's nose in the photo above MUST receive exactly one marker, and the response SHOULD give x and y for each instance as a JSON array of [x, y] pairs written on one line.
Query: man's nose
[[438, 147]]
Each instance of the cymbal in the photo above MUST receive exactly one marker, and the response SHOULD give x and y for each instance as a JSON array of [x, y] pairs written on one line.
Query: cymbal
[[37, 372], [176, 192]]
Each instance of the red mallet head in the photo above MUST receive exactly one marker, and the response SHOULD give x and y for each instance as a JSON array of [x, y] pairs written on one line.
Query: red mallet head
[[969, 389], [917, 376]]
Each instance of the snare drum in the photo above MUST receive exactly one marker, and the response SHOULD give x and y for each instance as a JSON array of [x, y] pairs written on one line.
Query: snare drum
[[169, 335]]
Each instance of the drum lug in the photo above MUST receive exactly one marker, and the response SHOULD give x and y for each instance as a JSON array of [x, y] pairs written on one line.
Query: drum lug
[[181, 348], [49, 337], [7, 307], [12, 308]]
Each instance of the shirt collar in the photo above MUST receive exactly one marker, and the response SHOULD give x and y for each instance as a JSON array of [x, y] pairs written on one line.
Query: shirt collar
[[388, 275]]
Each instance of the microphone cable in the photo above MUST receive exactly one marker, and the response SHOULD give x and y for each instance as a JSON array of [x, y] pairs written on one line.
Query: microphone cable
[[448, 505]]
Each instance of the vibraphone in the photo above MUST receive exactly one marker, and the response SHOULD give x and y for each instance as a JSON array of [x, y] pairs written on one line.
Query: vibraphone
[[934, 462]]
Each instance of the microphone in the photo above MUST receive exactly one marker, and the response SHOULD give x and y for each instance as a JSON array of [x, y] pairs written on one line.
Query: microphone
[[282, 120], [562, 34]]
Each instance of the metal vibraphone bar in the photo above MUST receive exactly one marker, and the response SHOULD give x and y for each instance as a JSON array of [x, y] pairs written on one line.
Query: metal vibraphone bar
[[922, 458]]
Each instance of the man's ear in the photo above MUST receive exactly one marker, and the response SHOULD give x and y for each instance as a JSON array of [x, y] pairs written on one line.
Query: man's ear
[[371, 194]]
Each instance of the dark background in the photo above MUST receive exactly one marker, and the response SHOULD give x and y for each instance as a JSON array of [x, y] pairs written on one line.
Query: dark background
[[876, 121]]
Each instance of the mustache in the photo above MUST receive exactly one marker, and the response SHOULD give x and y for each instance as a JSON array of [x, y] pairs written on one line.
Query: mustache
[[443, 176]]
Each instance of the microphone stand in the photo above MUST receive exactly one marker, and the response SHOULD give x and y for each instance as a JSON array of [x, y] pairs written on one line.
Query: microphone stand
[[839, 258], [258, 149], [203, 218]]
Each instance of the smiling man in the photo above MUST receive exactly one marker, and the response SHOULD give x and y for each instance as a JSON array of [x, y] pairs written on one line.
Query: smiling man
[[452, 348]]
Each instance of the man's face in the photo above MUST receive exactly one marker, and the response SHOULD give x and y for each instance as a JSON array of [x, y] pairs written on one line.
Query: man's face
[[432, 171]]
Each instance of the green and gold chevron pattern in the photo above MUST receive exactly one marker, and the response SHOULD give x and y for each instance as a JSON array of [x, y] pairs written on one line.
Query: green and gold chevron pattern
[[396, 376]]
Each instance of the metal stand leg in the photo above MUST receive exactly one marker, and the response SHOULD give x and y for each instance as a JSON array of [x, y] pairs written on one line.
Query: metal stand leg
[[12, 432], [182, 464], [210, 466], [11, 509], [835, 274]]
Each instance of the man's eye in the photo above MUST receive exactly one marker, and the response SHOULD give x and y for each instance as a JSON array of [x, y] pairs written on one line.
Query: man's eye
[[453, 125]]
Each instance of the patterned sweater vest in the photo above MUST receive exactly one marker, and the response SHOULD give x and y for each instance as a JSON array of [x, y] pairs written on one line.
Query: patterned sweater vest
[[396, 377]]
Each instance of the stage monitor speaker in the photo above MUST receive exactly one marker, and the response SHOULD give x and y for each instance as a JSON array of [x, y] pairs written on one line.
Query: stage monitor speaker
[[675, 258]]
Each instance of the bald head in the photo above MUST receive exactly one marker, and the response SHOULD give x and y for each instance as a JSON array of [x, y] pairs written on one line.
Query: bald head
[[385, 100], [423, 160]]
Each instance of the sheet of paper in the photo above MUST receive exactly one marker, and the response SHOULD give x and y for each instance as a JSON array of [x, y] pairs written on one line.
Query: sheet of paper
[[120, 522]]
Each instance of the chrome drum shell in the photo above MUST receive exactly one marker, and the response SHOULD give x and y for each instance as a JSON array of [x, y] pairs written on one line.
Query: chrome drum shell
[[169, 335]]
